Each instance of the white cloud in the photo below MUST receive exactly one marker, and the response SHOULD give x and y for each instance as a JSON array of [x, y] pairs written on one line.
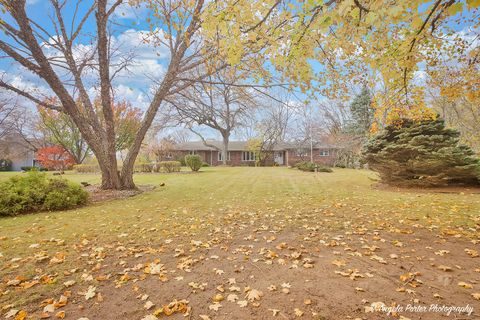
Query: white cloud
[[136, 97], [145, 69]]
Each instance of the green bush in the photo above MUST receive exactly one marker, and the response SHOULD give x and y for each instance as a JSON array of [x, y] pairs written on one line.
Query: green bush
[[35, 192], [205, 164], [5, 165], [182, 161], [312, 167], [306, 166], [170, 166], [86, 168], [62, 194], [422, 153], [30, 168], [193, 161]]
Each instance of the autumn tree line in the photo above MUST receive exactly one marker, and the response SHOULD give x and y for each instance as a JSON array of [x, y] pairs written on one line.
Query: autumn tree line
[[410, 55]]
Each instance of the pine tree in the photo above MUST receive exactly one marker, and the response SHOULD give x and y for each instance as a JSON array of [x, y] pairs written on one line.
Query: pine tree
[[423, 154], [362, 113]]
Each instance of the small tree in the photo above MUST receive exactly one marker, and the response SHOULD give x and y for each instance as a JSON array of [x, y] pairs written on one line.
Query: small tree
[[422, 153], [55, 158], [193, 161], [362, 114], [256, 146]]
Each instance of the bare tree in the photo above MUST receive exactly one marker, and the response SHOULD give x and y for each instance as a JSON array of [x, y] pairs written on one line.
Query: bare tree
[[29, 134], [220, 102], [270, 127], [67, 73], [7, 118], [181, 136]]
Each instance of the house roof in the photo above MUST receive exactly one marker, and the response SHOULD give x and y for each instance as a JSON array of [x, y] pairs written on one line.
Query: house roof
[[242, 145]]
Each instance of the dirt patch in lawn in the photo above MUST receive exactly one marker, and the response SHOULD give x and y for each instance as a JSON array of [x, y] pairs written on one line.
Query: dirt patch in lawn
[[98, 195]]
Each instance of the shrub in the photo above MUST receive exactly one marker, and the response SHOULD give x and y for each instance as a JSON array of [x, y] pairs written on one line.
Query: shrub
[[5, 165], [421, 153], [86, 168], [193, 161], [170, 166], [30, 168], [321, 168], [143, 167], [55, 158], [311, 167], [306, 166], [34, 192], [205, 164], [182, 161], [62, 194]]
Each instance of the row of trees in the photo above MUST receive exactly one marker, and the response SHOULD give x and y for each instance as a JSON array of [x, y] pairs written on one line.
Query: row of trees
[[244, 43], [37, 129]]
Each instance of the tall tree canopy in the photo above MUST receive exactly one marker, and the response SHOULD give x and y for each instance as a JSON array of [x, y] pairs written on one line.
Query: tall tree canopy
[[361, 113], [328, 45]]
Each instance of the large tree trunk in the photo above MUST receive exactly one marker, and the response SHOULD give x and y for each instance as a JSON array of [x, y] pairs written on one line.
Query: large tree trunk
[[226, 138]]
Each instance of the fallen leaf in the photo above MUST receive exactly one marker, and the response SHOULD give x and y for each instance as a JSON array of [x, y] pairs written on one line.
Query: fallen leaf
[[214, 306], [465, 285], [253, 295], [298, 312], [90, 292]]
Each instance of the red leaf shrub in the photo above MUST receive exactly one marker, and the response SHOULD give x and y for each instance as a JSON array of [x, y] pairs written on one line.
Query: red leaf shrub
[[55, 158]]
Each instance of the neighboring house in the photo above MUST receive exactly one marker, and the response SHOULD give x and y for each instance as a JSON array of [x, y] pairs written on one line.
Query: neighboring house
[[25, 158], [15, 149], [239, 155]]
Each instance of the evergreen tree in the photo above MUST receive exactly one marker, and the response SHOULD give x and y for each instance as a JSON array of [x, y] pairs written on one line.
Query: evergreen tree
[[421, 153], [362, 113]]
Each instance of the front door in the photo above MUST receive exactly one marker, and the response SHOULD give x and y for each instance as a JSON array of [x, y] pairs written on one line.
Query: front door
[[278, 158]]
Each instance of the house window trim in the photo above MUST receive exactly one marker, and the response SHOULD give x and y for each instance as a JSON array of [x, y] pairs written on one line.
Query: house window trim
[[192, 152], [251, 155], [324, 153], [219, 153]]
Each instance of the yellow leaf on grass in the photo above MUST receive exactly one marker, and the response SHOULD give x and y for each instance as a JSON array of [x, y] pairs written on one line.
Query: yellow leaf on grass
[[444, 268], [21, 315], [465, 285]]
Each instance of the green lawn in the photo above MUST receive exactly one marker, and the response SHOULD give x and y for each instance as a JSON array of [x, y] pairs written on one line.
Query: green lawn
[[191, 205], [244, 188]]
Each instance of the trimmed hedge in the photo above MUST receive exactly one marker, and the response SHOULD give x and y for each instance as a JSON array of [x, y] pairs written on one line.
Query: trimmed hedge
[[36, 192], [86, 168], [170, 166], [193, 161], [312, 167], [143, 167]]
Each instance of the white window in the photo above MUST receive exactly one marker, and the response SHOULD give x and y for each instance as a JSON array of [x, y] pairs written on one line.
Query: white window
[[193, 152], [220, 156], [324, 153], [248, 156]]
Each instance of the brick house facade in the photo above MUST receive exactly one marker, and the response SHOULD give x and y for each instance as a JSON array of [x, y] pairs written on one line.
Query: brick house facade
[[284, 154]]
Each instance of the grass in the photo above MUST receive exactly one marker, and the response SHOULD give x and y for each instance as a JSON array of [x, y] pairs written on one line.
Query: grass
[[189, 201], [249, 189]]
